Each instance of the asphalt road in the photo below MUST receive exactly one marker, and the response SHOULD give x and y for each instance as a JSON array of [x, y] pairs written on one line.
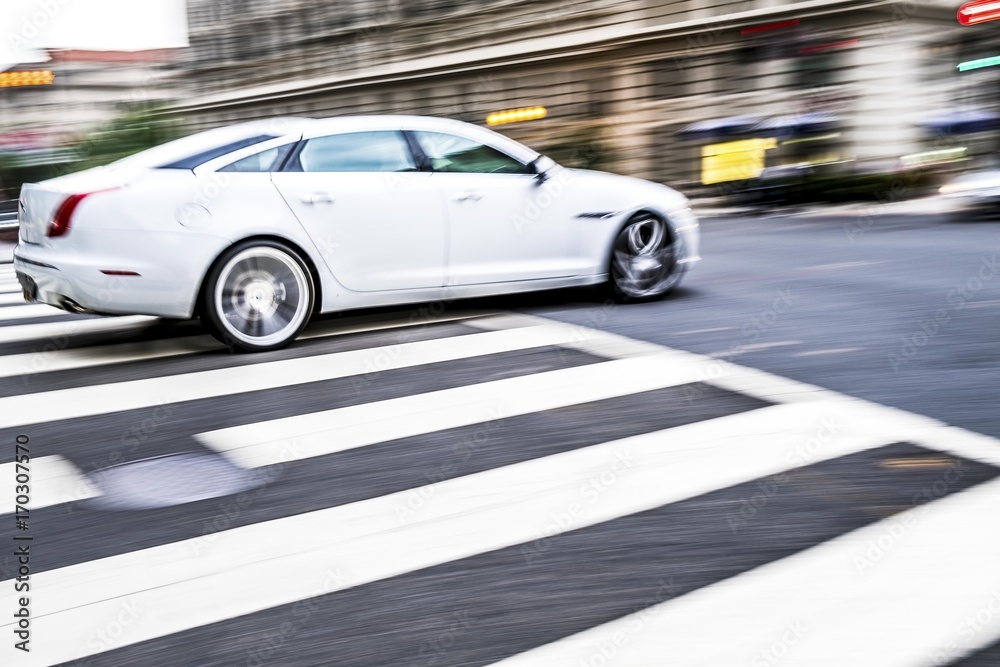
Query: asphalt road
[[901, 310], [399, 530]]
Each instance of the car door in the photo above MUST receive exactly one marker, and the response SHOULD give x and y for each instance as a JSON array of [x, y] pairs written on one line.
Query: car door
[[372, 214], [505, 224]]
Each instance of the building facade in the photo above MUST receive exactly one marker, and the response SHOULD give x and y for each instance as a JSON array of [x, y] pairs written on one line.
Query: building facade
[[662, 90]]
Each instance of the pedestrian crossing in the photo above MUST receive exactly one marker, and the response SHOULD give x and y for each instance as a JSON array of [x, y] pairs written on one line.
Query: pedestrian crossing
[[477, 488]]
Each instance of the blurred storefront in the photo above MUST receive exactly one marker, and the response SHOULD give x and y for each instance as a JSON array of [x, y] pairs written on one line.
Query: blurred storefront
[[654, 89]]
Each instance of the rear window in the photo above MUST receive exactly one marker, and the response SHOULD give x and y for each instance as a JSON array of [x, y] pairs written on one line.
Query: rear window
[[197, 159]]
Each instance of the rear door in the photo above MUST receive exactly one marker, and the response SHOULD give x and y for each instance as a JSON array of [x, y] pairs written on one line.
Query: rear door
[[371, 213]]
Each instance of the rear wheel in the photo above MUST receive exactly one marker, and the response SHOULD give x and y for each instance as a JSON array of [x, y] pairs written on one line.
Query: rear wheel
[[644, 260], [257, 297]]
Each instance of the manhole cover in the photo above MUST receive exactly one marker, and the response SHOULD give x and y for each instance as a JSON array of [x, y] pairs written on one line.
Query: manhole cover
[[164, 481]]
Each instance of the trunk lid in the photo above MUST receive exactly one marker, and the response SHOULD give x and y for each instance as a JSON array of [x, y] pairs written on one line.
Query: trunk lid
[[38, 202]]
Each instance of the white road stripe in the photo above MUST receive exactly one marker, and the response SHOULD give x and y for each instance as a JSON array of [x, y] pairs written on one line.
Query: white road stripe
[[29, 311], [839, 603], [102, 399], [320, 433], [47, 361], [12, 299], [73, 326], [391, 535], [836, 350], [52, 481], [918, 429]]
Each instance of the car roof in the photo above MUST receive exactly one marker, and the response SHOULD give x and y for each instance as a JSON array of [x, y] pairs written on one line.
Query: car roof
[[316, 127]]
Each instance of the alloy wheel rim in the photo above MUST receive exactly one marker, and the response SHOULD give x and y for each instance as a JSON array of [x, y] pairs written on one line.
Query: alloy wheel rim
[[644, 260], [262, 297]]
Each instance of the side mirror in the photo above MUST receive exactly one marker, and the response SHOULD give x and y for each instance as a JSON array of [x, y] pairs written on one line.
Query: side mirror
[[540, 167]]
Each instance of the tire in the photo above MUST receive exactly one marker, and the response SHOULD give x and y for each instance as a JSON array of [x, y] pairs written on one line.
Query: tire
[[258, 296], [644, 260]]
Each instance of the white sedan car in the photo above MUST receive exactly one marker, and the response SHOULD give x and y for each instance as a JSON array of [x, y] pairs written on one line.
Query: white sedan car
[[255, 227]]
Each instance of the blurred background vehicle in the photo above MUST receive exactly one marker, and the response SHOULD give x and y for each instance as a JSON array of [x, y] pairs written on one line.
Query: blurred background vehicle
[[976, 193]]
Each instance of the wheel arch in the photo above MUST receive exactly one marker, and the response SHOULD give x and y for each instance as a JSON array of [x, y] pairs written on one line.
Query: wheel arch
[[309, 262]]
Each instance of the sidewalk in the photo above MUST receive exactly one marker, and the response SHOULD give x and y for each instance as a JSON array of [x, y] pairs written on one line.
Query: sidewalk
[[933, 205]]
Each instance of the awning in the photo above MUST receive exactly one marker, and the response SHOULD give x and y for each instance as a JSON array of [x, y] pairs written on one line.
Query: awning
[[962, 122], [797, 125], [719, 127]]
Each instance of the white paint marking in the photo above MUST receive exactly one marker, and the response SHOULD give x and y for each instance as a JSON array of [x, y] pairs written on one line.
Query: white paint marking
[[46, 361], [911, 606], [29, 311], [55, 332], [53, 481], [818, 353], [695, 332], [376, 539], [320, 433], [15, 299], [754, 347], [105, 398]]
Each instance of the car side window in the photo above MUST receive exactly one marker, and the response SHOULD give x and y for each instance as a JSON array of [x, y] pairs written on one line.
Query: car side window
[[380, 151], [264, 161], [451, 153]]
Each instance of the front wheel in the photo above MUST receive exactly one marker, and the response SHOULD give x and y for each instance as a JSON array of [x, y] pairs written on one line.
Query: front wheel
[[644, 258], [257, 297]]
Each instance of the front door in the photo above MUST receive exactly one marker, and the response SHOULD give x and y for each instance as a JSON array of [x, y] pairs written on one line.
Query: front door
[[504, 224], [375, 219]]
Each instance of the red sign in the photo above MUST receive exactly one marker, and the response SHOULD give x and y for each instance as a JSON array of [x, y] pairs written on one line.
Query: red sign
[[979, 11]]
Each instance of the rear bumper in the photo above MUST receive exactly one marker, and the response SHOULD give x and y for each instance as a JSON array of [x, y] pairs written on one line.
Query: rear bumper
[[76, 284]]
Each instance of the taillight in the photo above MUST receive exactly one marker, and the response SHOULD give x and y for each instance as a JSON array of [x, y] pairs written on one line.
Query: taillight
[[60, 224]]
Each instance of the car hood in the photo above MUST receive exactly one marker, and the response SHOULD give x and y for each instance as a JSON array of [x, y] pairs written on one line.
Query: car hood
[[607, 193]]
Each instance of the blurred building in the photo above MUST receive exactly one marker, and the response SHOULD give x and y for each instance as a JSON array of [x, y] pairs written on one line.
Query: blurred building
[[86, 89], [690, 91], [68, 69]]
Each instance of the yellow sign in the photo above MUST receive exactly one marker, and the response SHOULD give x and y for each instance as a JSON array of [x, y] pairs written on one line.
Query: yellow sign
[[734, 160], [42, 77], [516, 115]]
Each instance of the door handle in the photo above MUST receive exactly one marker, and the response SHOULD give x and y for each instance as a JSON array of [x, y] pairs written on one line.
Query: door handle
[[318, 198], [468, 196]]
